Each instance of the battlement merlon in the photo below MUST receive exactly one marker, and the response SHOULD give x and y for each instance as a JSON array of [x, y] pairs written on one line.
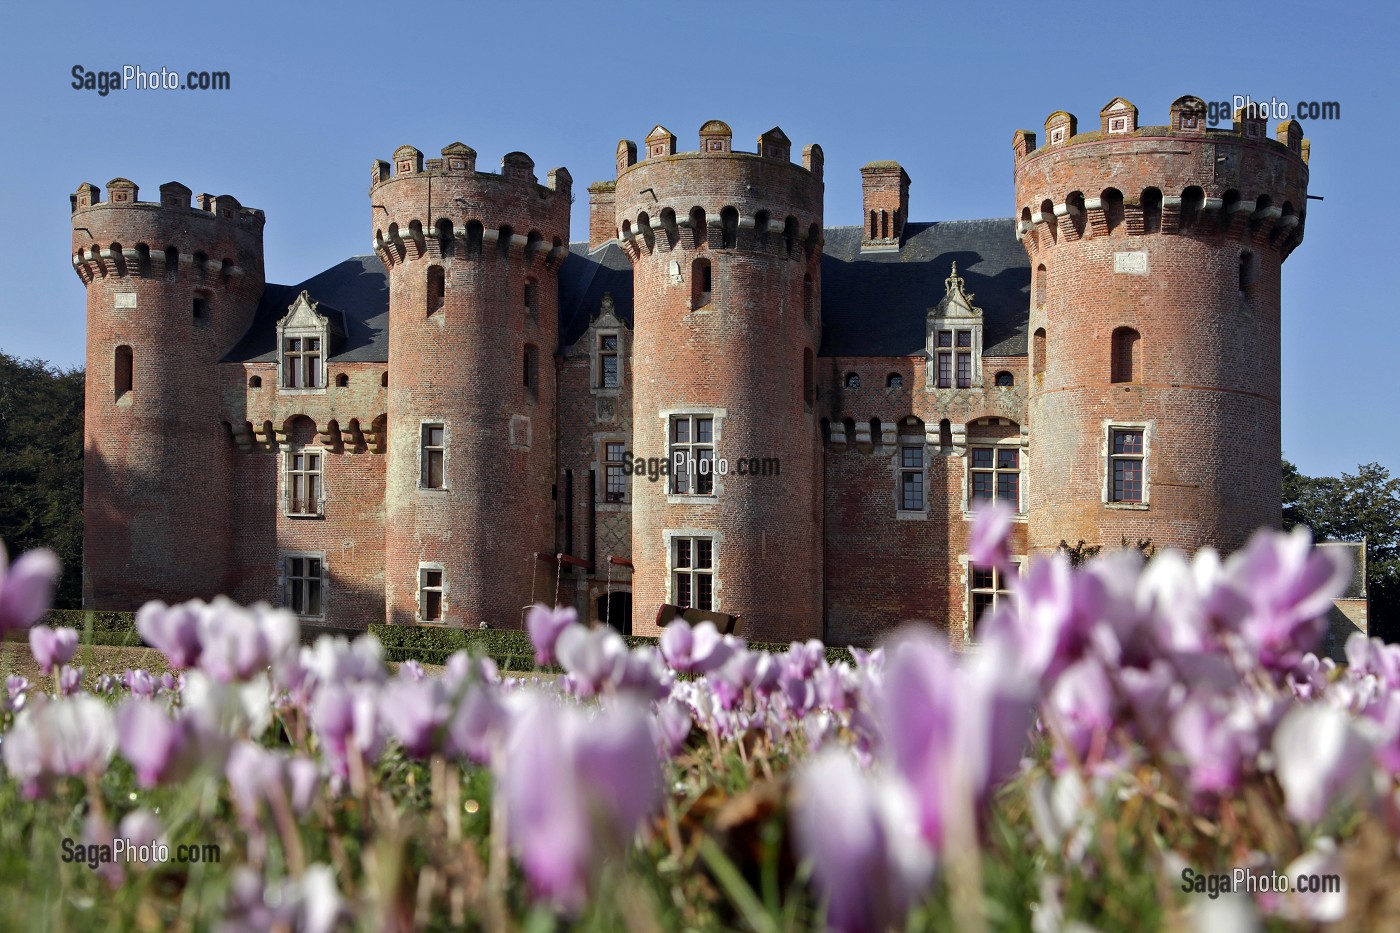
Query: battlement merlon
[[716, 141], [1187, 118], [215, 238]]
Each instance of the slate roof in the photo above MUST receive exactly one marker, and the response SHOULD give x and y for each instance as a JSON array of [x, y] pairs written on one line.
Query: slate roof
[[873, 303]]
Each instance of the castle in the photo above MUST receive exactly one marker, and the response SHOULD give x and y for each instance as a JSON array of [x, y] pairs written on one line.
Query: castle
[[481, 415]]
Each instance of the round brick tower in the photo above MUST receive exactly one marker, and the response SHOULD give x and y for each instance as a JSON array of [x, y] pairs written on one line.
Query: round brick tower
[[170, 287], [473, 260], [1154, 324], [726, 253]]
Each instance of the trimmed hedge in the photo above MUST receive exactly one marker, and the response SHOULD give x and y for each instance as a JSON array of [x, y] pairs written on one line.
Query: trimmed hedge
[[511, 649]]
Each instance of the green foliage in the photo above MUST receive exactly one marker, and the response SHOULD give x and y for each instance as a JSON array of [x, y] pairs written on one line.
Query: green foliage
[[41, 465], [1350, 507]]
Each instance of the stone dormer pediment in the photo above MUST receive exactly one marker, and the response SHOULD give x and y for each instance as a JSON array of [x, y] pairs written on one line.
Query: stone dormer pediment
[[302, 315], [956, 303]]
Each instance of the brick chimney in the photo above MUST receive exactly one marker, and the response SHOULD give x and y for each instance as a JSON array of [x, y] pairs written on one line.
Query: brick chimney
[[886, 190], [602, 223]]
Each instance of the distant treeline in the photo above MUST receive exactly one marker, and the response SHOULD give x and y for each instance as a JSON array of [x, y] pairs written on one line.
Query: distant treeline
[[41, 466]]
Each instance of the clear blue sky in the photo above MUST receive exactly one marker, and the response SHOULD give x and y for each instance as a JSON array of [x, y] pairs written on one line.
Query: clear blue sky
[[318, 92]]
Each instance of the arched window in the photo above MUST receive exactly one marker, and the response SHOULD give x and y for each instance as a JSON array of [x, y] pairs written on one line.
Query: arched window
[[945, 434], [648, 234], [760, 228], [123, 373], [789, 234], [1192, 200], [1038, 352], [699, 227], [853, 380], [1152, 210], [701, 283], [1112, 202], [668, 224], [729, 228], [1077, 216], [384, 380], [475, 234], [894, 381], [437, 289], [503, 238], [1040, 285], [1005, 378], [444, 237], [342, 380], [172, 262], [255, 382], [1047, 212], [1126, 349], [1248, 270]]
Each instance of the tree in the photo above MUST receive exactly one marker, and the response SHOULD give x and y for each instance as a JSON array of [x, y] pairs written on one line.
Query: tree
[[1350, 507], [41, 466]]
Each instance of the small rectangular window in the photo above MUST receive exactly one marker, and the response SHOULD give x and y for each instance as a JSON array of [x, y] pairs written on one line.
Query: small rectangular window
[[434, 456], [614, 479], [304, 489], [691, 455], [430, 590], [608, 372], [304, 586], [995, 474], [911, 478], [693, 566], [301, 361], [1126, 458], [986, 589]]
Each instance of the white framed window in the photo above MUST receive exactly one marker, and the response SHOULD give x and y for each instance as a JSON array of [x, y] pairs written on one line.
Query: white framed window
[[691, 455], [609, 362], [912, 478], [432, 593], [304, 584], [954, 359], [994, 474], [304, 488], [1127, 474], [433, 456], [614, 473], [301, 363], [986, 588], [693, 572]]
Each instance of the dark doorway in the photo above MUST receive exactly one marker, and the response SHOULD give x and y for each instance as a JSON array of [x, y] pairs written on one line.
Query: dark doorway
[[616, 610]]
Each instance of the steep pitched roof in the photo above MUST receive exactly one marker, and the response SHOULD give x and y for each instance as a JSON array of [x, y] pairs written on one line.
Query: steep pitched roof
[[356, 289]]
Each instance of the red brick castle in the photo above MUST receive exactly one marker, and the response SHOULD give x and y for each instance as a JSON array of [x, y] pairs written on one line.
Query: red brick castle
[[473, 418]]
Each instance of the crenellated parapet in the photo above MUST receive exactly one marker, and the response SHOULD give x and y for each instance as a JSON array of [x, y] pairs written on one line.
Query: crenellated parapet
[[444, 208], [1181, 178], [717, 197], [208, 243]]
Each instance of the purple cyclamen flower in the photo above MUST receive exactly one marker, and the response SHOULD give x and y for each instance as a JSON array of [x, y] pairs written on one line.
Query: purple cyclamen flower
[[151, 740], [577, 788], [868, 861], [1289, 586], [140, 682], [239, 643], [63, 737], [310, 904], [802, 658], [15, 685], [26, 588], [256, 774], [171, 630], [989, 539], [645, 674], [346, 721], [52, 647], [1081, 707], [594, 658], [70, 679], [672, 726], [694, 649], [477, 725], [1214, 737], [545, 626], [1322, 761], [411, 670], [414, 712]]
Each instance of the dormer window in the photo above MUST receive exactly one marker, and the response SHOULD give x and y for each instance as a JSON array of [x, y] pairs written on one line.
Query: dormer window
[[954, 338], [303, 345]]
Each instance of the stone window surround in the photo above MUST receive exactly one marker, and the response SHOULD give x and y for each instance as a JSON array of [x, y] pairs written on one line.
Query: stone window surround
[[419, 589], [718, 414], [284, 581], [1018, 561], [600, 471], [898, 470], [446, 456], [1148, 429], [716, 537], [287, 453]]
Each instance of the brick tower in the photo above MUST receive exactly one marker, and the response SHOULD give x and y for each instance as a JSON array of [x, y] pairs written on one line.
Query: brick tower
[[1154, 323], [726, 254], [170, 287], [473, 293]]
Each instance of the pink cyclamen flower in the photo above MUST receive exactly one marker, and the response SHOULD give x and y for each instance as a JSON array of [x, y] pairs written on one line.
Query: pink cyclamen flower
[[140, 682], [671, 726], [545, 626], [1322, 761], [989, 539], [63, 737], [1214, 738], [1289, 586], [309, 904], [151, 740], [70, 679], [868, 860], [594, 658], [52, 647], [695, 649], [477, 725], [171, 630], [577, 787], [239, 643], [26, 588], [414, 711]]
